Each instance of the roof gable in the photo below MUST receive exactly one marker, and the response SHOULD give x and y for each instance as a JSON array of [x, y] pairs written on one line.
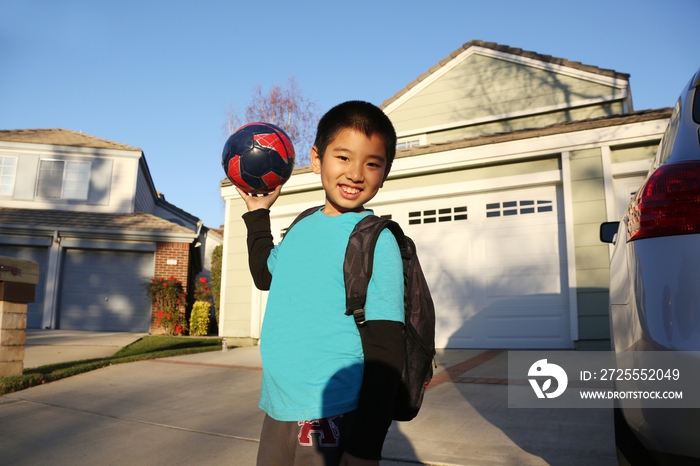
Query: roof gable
[[485, 82]]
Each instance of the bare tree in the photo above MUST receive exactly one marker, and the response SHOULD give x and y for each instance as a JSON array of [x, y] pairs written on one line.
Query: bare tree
[[286, 107]]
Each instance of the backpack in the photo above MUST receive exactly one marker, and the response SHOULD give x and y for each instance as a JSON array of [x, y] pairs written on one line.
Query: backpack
[[419, 311]]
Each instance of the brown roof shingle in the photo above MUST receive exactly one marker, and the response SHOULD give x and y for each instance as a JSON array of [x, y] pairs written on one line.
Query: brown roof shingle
[[504, 49], [105, 222], [60, 137]]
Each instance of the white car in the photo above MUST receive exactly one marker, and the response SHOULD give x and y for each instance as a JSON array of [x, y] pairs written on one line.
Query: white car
[[655, 284]]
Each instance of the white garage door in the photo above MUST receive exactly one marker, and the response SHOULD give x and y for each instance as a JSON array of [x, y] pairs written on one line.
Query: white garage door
[[496, 266], [104, 290], [40, 255]]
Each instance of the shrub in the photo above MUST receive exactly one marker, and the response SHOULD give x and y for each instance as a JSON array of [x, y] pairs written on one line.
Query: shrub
[[168, 299], [216, 260], [202, 291], [199, 320]]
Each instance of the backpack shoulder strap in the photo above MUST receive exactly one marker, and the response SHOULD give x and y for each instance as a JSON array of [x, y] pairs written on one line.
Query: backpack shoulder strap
[[359, 260]]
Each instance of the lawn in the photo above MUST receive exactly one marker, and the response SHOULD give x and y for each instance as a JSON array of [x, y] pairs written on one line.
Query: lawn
[[148, 347]]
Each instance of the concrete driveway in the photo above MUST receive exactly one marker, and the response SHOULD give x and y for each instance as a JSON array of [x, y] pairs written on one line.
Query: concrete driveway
[[54, 346], [202, 409]]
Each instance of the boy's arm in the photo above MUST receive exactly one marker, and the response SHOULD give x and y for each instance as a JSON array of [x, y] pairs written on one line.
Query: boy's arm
[[260, 241], [382, 344]]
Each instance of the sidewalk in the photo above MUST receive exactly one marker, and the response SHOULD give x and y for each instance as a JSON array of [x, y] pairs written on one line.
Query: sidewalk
[[54, 346], [202, 409]]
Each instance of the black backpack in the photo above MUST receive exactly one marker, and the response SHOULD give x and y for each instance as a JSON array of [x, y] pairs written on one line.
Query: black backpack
[[419, 311]]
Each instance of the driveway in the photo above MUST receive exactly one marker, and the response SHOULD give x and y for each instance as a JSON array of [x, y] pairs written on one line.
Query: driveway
[[202, 409]]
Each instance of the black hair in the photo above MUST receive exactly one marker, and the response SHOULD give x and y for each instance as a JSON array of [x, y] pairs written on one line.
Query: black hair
[[361, 116]]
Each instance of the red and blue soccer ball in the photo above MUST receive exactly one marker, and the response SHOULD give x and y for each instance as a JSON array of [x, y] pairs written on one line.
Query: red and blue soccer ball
[[258, 157]]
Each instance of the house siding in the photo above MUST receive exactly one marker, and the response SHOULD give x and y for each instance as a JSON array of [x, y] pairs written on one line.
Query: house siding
[[238, 285], [515, 124], [472, 174], [25, 178], [144, 200], [100, 181], [27, 169], [481, 87], [592, 257], [124, 176], [631, 154]]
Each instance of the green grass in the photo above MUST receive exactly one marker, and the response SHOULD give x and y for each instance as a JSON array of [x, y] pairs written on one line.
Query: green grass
[[148, 347]]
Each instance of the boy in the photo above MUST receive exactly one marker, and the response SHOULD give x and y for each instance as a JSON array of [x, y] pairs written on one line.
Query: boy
[[328, 394]]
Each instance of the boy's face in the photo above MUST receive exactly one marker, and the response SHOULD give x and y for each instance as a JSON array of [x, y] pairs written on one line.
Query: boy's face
[[352, 170]]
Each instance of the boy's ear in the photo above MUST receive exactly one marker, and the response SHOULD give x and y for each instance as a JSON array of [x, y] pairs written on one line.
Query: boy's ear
[[315, 160]]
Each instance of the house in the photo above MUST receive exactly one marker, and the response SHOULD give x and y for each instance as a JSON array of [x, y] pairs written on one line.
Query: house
[[508, 162], [86, 210]]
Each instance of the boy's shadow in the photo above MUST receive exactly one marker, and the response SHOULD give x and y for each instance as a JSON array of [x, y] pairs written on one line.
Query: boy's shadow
[[398, 444], [465, 422]]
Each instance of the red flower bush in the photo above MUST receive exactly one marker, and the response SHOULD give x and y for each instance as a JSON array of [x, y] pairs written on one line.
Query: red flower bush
[[202, 292], [166, 296]]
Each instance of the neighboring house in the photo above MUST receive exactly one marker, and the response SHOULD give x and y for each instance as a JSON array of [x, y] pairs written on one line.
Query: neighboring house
[[87, 211], [508, 162]]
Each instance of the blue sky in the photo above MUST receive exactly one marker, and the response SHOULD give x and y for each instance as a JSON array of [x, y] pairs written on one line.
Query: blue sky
[[159, 75]]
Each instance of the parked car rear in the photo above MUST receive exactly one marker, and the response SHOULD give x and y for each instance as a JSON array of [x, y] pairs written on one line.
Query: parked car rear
[[655, 284]]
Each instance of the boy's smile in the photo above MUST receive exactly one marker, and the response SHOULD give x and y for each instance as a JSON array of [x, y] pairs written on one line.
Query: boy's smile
[[352, 170]]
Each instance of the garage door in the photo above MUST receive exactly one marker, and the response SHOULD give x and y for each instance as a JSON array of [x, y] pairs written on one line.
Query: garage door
[[35, 310], [496, 266], [104, 291]]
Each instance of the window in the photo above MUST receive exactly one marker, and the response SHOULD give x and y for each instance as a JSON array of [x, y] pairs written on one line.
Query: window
[[8, 168], [62, 179], [510, 208], [447, 214], [408, 144]]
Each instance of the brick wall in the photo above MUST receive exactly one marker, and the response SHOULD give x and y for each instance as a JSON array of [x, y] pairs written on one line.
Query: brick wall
[[172, 259]]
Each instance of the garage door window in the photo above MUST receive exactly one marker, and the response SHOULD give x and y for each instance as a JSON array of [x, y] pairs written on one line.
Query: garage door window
[[447, 214], [524, 207]]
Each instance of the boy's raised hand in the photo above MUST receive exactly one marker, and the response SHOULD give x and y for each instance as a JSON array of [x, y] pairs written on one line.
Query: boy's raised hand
[[259, 202]]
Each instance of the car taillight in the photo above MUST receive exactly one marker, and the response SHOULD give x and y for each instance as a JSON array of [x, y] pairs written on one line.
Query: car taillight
[[667, 204]]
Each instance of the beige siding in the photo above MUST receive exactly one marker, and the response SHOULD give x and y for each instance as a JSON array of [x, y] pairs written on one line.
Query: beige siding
[[592, 257], [124, 175], [631, 154], [482, 87], [515, 124], [236, 315], [472, 174]]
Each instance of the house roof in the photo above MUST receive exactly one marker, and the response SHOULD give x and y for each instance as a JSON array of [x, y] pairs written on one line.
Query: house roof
[[512, 51], [60, 137], [163, 203], [139, 222]]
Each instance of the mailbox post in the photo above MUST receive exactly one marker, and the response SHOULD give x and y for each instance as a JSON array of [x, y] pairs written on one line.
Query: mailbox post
[[18, 280]]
